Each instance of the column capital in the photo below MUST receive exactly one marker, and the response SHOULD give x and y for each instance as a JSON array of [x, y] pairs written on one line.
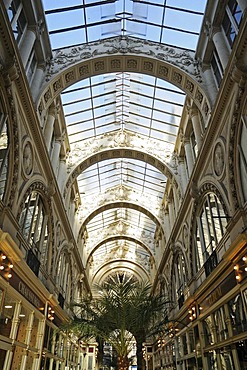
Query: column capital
[[209, 29], [191, 110]]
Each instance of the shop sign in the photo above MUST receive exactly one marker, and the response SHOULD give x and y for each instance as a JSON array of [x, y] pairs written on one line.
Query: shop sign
[[220, 290], [17, 283]]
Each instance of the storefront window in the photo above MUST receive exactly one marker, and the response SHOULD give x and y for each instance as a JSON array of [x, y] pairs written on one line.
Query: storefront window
[[212, 360], [23, 321], [7, 315], [226, 359], [208, 331], [237, 315], [35, 330], [220, 323], [242, 354]]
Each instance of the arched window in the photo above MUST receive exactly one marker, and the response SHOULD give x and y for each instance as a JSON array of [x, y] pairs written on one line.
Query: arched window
[[64, 277], [4, 152], [179, 279], [210, 227], [34, 227], [243, 157]]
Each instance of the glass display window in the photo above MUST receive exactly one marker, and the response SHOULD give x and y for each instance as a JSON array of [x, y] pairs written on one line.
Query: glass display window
[[237, 314], [208, 331], [226, 358], [23, 325], [7, 314], [220, 323]]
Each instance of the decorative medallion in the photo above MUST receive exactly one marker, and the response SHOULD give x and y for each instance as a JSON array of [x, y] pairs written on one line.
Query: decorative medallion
[[185, 236], [27, 158], [218, 159]]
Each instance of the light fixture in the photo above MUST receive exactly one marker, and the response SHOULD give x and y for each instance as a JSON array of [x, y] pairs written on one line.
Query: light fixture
[[5, 266]]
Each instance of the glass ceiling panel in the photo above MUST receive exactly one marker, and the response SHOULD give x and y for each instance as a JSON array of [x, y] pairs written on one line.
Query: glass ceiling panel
[[132, 173], [123, 249], [119, 103], [142, 104], [135, 218], [163, 21]]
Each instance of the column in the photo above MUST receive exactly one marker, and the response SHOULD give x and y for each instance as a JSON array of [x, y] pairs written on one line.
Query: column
[[196, 126], [55, 155], [29, 328], [27, 45], [182, 174], [36, 82], [221, 46], [49, 126], [175, 197], [39, 342], [62, 173], [242, 4], [189, 156], [211, 84], [167, 226], [171, 212]]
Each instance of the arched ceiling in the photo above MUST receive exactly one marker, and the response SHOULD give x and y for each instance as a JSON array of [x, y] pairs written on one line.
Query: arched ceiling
[[119, 227]]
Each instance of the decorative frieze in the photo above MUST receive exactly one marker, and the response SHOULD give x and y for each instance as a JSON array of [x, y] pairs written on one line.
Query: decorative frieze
[[173, 64], [131, 64], [69, 77], [84, 70], [47, 95]]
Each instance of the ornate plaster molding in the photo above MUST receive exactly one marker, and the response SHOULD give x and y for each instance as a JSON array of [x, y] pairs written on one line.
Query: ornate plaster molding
[[122, 253], [121, 193], [121, 139], [119, 204], [124, 54], [121, 144], [66, 57], [120, 228]]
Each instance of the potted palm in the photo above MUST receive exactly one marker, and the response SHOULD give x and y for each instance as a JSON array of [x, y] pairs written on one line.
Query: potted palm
[[122, 312]]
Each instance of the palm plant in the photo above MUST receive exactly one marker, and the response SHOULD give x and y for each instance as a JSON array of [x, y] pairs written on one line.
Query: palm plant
[[121, 313]]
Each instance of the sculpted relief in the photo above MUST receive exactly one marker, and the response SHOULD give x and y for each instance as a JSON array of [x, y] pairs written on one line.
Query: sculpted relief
[[66, 57]]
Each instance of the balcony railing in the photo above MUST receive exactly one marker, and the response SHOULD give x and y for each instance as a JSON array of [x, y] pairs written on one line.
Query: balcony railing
[[33, 262], [211, 263]]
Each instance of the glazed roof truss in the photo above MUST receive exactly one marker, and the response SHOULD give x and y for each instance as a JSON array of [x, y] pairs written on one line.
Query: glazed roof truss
[[123, 102]]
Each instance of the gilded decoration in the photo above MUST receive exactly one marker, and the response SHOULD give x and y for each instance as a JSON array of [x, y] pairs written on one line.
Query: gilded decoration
[[123, 138]]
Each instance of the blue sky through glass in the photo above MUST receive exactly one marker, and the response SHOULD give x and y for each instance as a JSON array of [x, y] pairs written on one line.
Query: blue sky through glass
[[140, 103]]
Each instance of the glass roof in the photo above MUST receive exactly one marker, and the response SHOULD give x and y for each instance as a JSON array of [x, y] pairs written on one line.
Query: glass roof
[[141, 104], [74, 22]]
